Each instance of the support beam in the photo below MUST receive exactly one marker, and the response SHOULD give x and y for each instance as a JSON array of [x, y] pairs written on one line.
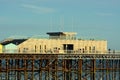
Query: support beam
[[7, 72], [94, 69], [0, 69], [25, 69], [40, 69], [34, 67], [80, 69]]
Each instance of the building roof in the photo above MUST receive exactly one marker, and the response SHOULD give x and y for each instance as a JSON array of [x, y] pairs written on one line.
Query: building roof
[[61, 33], [55, 33], [14, 41]]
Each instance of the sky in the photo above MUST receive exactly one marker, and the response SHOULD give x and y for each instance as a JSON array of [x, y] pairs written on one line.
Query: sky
[[99, 19]]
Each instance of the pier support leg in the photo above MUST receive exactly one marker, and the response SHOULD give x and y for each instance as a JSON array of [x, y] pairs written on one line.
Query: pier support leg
[[25, 70], [80, 69], [32, 69]]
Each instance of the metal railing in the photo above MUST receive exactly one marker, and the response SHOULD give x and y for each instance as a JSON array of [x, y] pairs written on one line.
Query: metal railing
[[45, 51]]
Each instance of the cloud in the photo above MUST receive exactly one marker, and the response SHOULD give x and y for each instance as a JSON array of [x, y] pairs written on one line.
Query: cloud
[[38, 9], [104, 14]]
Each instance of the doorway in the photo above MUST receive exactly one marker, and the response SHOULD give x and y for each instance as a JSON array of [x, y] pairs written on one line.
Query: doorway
[[68, 48]]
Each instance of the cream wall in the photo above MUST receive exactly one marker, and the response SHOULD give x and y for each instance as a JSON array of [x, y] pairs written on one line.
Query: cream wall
[[1, 48], [50, 45]]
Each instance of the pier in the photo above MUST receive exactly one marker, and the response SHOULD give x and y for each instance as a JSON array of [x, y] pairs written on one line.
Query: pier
[[59, 66]]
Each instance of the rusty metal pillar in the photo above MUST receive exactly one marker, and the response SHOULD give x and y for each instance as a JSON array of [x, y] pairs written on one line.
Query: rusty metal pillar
[[45, 70], [119, 68], [7, 72], [94, 68], [40, 69], [101, 71], [48, 69], [25, 69], [113, 69], [32, 69], [69, 69], [80, 69], [17, 69], [56, 69], [107, 71], [64, 69], [0, 69]]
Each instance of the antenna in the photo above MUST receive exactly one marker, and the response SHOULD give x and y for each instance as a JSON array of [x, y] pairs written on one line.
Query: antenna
[[62, 23], [51, 24], [72, 23]]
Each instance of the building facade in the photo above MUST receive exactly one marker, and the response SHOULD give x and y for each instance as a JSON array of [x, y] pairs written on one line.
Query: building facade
[[10, 45], [10, 48], [62, 43], [1, 48]]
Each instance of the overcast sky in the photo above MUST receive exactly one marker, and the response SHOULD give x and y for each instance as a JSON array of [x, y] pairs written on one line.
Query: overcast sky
[[89, 18]]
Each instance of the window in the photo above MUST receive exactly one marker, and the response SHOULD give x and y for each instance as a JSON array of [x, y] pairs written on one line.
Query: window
[[40, 46], [89, 49], [35, 48], [45, 46]]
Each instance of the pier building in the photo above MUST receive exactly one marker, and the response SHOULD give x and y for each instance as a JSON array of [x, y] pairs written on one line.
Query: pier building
[[60, 57], [62, 42]]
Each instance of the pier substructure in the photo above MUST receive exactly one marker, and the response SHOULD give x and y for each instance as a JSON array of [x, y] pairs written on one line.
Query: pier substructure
[[59, 66]]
